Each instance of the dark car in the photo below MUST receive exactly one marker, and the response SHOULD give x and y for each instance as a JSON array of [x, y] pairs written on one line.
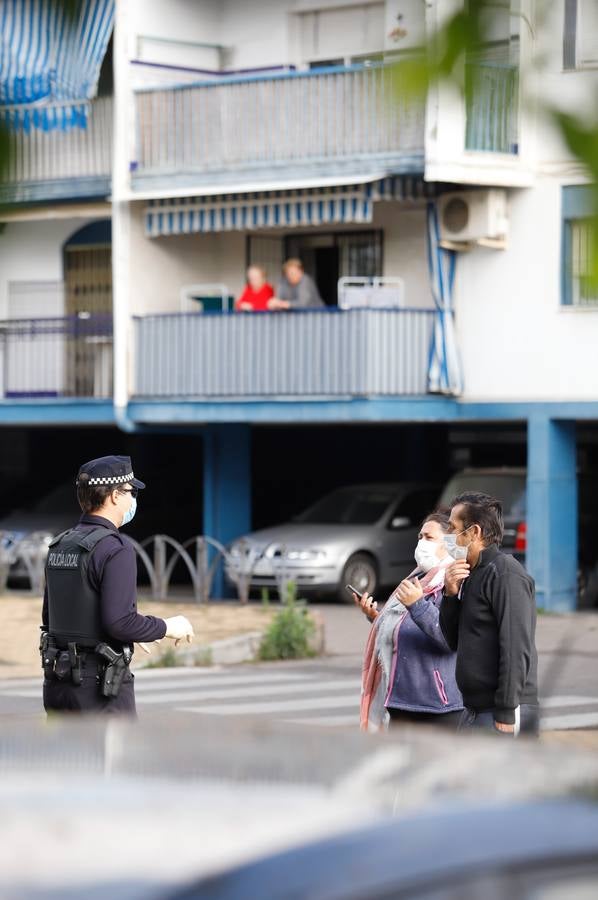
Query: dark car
[[510, 486], [533, 851]]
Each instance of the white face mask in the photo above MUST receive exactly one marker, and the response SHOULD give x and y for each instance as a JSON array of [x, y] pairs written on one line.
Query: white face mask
[[425, 555], [455, 549]]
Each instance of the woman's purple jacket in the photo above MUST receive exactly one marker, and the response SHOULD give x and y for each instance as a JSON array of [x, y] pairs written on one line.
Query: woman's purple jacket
[[423, 667]]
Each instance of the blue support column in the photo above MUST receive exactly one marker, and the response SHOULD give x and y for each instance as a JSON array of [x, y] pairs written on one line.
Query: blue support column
[[227, 486], [552, 512]]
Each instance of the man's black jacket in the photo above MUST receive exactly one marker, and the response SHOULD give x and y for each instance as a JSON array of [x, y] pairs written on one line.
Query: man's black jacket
[[492, 627]]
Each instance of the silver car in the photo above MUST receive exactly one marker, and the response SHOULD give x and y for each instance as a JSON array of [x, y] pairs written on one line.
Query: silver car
[[363, 535]]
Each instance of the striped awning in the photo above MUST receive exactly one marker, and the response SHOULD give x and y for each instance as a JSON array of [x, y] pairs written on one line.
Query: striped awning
[[50, 61], [279, 209]]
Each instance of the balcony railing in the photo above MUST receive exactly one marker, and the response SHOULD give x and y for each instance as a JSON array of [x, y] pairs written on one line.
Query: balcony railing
[[492, 107], [291, 120], [49, 165], [60, 357], [314, 353]]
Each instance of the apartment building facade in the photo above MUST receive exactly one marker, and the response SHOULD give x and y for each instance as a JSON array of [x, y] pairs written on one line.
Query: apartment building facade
[[236, 133]]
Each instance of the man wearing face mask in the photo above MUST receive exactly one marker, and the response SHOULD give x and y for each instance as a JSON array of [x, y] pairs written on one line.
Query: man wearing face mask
[[89, 616], [488, 615]]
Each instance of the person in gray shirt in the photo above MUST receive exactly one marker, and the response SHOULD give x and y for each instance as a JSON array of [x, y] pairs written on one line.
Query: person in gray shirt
[[296, 289]]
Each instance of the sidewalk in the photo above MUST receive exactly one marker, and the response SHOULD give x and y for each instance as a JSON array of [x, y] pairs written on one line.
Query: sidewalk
[[20, 615]]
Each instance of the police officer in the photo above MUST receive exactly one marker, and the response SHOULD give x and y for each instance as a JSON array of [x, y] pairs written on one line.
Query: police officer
[[89, 617]]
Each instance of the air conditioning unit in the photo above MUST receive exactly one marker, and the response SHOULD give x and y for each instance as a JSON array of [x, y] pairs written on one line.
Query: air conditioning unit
[[473, 217]]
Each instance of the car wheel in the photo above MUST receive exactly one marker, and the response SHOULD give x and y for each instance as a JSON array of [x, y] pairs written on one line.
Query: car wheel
[[360, 571]]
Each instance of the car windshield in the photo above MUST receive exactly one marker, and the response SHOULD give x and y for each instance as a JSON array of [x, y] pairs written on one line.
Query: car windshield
[[508, 488], [349, 506]]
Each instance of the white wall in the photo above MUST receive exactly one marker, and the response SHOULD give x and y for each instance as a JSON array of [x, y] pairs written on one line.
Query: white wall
[[517, 342], [32, 251], [159, 267], [405, 249], [256, 34]]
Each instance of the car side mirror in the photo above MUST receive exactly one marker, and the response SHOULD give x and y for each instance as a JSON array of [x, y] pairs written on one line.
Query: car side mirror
[[400, 522]]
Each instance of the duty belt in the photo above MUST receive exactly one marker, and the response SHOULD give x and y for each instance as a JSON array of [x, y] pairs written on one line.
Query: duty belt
[[66, 663]]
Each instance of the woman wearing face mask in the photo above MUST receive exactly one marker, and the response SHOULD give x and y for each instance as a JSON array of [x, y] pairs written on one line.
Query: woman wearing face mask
[[409, 669]]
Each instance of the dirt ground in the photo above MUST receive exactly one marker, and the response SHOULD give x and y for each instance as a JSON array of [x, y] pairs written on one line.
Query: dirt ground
[[20, 616]]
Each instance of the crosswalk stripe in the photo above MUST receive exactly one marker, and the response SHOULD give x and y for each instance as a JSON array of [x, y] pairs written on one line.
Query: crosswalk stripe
[[167, 672], [265, 678], [25, 693], [276, 706], [10, 683], [565, 701], [200, 689], [574, 720], [327, 721], [303, 687]]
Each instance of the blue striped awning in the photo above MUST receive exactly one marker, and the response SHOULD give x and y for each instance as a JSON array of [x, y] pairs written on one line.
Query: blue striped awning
[[278, 209], [50, 61]]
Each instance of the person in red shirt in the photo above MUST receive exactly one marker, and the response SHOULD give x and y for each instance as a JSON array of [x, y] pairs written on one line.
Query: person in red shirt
[[257, 292]]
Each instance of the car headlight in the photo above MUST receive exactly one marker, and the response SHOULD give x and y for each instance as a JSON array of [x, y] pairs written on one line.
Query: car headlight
[[306, 555]]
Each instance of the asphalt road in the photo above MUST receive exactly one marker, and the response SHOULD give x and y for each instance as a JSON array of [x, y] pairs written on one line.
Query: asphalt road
[[325, 692]]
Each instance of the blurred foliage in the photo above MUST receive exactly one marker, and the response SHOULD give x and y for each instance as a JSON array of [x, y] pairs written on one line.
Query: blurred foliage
[[290, 633], [166, 660], [463, 35]]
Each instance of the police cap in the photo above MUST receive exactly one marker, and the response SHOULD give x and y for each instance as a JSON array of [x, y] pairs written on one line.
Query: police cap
[[109, 470]]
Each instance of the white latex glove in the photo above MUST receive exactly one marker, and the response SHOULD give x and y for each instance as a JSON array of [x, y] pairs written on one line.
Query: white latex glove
[[179, 628]]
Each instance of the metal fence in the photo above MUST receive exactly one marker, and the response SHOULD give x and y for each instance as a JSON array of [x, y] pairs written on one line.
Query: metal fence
[[339, 113], [39, 161], [68, 356], [492, 107], [23, 558], [309, 353]]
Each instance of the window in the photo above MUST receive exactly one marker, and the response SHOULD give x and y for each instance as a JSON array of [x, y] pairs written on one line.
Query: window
[[335, 34], [581, 238], [492, 83], [580, 38], [414, 507], [579, 235], [349, 506]]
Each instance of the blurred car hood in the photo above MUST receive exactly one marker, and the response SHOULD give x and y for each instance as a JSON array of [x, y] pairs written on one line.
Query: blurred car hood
[[26, 521], [303, 535]]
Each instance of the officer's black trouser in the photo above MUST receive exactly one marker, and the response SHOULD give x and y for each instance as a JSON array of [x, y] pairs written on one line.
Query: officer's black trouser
[[66, 697]]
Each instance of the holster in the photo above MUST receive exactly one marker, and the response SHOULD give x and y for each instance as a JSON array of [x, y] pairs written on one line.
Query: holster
[[117, 666]]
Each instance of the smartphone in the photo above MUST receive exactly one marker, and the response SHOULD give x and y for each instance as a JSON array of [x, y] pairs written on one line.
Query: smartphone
[[352, 590]]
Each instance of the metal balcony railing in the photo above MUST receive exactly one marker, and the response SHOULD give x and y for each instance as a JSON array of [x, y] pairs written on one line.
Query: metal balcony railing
[[69, 356], [55, 164], [311, 353], [275, 120], [492, 91]]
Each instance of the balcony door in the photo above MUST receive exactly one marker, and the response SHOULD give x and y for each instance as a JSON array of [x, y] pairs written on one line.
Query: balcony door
[[88, 304], [328, 257]]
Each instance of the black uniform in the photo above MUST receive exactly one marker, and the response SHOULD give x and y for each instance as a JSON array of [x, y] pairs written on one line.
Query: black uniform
[[90, 605]]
